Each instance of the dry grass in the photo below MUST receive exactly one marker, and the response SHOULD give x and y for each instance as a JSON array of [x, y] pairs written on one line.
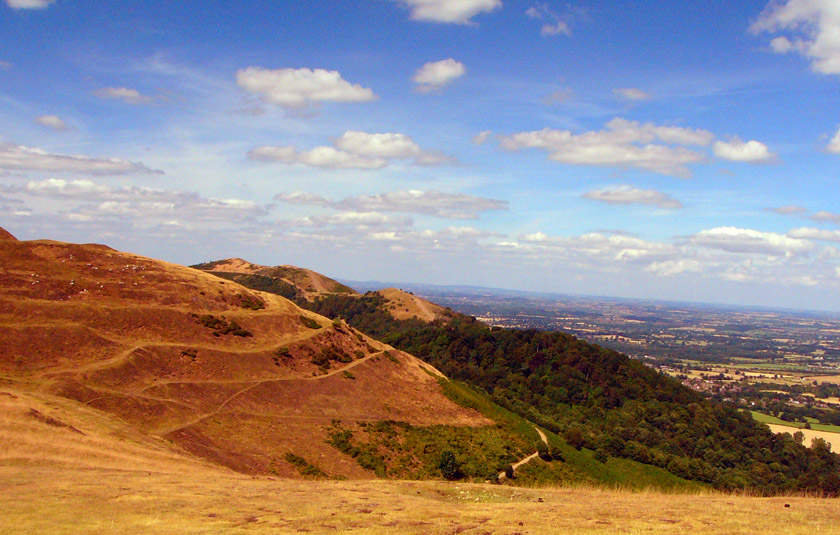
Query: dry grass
[[41, 501]]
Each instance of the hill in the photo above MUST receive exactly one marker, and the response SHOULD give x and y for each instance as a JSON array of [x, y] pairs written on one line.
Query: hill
[[289, 281], [601, 401], [404, 305], [242, 378]]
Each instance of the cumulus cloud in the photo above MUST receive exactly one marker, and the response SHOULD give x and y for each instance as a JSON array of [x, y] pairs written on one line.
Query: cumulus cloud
[[29, 4], [629, 195], [326, 157], [810, 233], [631, 94], [22, 158], [354, 149], [53, 121], [432, 202], [740, 151], [622, 143], [125, 94], [834, 145], [299, 88], [435, 75], [748, 241], [813, 30], [449, 11]]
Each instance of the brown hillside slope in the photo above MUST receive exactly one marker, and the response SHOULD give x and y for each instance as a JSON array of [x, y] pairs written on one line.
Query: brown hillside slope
[[6, 235], [235, 376], [310, 283], [403, 305]]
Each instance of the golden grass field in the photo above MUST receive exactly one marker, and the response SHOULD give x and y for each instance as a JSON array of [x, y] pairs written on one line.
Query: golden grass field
[[44, 501], [68, 469]]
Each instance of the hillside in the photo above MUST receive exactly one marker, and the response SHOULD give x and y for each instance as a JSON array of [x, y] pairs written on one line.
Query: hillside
[[294, 282], [404, 305], [238, 377], [600, 401]]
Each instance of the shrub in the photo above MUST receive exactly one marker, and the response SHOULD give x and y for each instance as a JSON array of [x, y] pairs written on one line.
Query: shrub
[[449, 466], [309, 322]]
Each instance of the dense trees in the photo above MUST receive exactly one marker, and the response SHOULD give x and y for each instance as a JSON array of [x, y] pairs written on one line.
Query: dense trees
[[604, 401]]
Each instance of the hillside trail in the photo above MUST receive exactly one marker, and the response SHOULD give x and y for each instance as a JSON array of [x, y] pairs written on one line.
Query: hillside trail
[[125, 355], [502, 476], [252, 386]]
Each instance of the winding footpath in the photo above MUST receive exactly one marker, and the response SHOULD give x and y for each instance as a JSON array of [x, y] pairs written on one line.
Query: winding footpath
[[502, 476]]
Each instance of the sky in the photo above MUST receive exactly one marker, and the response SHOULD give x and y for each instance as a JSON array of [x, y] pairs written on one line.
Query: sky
[[674, 150]]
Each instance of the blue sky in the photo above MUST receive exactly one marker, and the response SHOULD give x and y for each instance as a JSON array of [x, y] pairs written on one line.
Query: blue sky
[[678, 150]]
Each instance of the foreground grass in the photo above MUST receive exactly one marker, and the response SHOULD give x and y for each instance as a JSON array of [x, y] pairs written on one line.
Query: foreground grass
[[50, 501]]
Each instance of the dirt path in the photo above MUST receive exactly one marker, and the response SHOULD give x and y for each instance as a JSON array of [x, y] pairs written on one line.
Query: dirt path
[[502, 476], [258, 383]]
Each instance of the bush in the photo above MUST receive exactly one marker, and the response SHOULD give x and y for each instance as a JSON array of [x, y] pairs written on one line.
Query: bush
[[449, 466], [309, 322]]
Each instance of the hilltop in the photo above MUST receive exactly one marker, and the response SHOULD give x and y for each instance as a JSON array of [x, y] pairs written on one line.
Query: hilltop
[[290, 281]]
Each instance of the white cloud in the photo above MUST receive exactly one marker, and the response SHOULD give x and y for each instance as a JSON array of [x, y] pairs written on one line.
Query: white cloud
[[299, 88], [748, 241], [482, 137], [810, 233], [558, 28], [355, 149], [450, 11], [327, 157], [363, 219], [53, 121], [21, 158], [674, 267], [630, 195], [133, 203], [813, 27], [834, 145], [29, 4], [125, 94], [632, 94], [553, 23], [387, 145], [56, 187], [435, 75], [623, 143], [432, 202], [740, 151]]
